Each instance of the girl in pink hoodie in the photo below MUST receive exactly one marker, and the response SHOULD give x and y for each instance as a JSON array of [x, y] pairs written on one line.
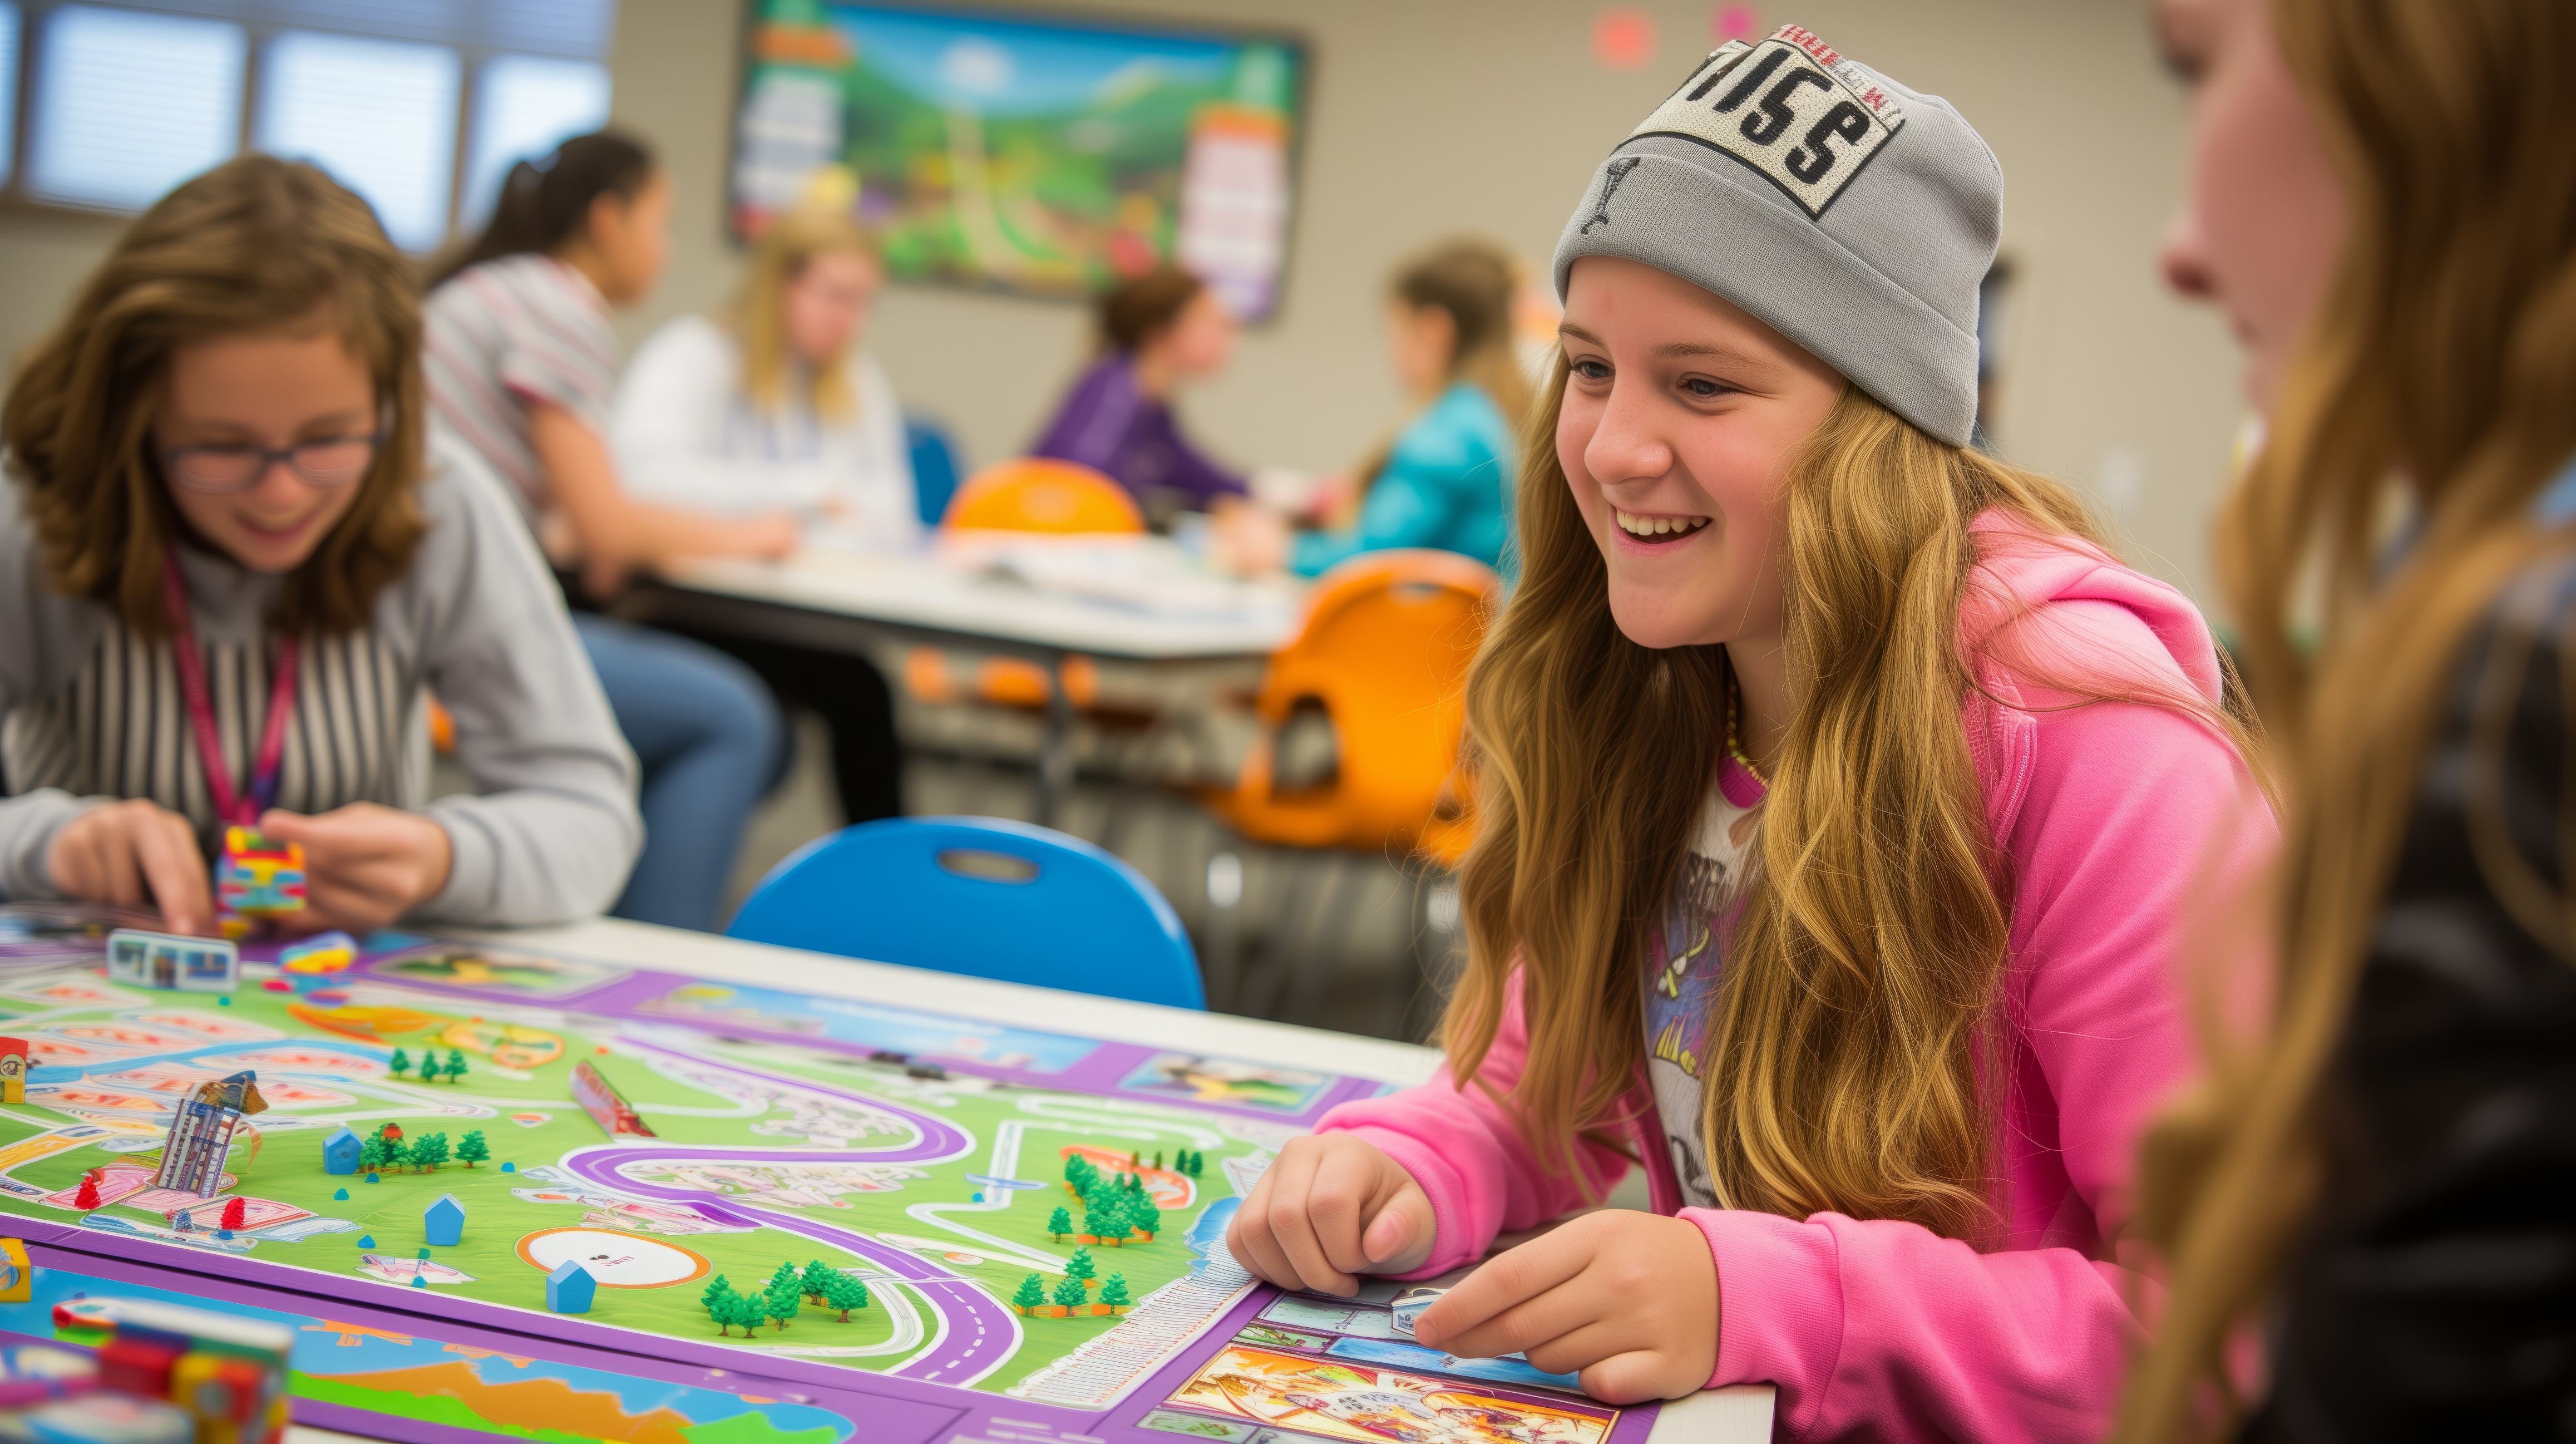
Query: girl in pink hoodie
[[1840, 796]]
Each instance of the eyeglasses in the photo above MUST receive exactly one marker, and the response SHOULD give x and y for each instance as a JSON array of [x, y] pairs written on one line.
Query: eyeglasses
[[224, 470]]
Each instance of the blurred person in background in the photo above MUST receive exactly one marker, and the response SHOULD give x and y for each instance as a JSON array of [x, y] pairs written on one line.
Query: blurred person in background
[[1446, 480], [1160, 332], [522, 359], [2372, 1187], [774, 405]]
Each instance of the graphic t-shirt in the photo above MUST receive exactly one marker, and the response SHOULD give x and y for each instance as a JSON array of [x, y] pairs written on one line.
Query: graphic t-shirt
[[1685, 959]]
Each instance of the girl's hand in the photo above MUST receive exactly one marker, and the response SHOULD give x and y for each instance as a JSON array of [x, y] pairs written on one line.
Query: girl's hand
[[1332, 1207], [1248, 539], [135, 853], [767, 537], [364, 865], [1628, 1300]]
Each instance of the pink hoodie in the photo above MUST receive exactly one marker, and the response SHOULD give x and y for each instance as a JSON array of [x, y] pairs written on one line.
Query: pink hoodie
[[2115, 817]]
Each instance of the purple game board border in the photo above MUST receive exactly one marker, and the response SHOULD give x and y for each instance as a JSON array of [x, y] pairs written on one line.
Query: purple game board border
[[623, 995]]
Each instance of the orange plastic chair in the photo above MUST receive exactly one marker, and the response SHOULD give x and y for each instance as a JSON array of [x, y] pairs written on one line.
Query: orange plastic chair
[[1383, 648], [1034, 493]]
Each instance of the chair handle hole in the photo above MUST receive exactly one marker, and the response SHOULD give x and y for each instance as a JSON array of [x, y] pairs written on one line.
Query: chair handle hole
[[990, 866]]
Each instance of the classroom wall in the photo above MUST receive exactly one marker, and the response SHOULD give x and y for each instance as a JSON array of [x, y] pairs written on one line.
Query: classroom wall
[[1488, 115]]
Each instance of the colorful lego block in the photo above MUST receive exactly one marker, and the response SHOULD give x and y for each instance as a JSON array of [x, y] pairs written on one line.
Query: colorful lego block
[[256, 875], [17, 1275], [569, 1289], [340, 1152], [320, 955], [443, 1222], [13, 1070], [171, 960]]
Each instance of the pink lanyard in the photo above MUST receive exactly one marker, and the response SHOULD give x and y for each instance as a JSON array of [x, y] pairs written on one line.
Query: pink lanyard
[[242, 809]]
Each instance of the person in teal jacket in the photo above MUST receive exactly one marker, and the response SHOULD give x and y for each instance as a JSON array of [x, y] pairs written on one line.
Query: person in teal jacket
[[1446, 480]]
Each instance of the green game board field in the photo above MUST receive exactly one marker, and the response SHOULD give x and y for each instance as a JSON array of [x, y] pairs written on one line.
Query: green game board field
[[995, 1243]]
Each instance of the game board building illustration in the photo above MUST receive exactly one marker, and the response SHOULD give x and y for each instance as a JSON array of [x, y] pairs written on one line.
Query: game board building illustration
[[202, 1131]]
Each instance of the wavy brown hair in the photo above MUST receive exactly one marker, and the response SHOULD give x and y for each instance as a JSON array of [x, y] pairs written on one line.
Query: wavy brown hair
[[2445, 349], [256, 244], [1843, 1069]]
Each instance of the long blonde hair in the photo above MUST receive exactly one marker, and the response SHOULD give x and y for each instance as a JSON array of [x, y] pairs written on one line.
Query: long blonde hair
[[1843, 1066], [2446, 344], [757, 312]]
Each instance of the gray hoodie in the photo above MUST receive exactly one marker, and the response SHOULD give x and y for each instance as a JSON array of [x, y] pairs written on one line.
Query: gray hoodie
[[89, 714]]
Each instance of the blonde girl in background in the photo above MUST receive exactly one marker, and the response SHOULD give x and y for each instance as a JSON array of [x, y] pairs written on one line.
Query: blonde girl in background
[[2373, 1190], [774, 405], [1840, 795], [234, 560], [1446, 480]]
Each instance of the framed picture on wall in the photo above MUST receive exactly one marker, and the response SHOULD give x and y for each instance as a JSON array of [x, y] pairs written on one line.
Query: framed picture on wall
[[1046, 156]]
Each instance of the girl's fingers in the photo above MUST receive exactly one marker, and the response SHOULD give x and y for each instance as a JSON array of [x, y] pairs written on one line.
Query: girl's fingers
[[165, 848], [1588, 1342], [119, 875], [1549, 1320], [1509, 1279], [1292, 1225], [1346, 1183], [1637, 1376]]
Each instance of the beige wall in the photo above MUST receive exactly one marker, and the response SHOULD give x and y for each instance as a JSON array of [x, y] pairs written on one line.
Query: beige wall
[[1488, 115]]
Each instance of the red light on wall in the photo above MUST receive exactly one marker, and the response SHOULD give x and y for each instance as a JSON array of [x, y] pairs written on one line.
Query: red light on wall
[[1623, 38]]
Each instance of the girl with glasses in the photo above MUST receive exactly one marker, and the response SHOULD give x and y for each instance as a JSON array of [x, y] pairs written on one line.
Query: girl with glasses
[[233, 565]]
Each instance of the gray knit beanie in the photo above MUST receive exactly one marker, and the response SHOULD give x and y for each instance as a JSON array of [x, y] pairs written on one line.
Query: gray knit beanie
[[1854, 216]]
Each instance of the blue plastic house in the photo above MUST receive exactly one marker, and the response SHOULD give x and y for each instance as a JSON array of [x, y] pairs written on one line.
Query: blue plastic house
[[340, 1152], [444, 1221], [569, 1289]]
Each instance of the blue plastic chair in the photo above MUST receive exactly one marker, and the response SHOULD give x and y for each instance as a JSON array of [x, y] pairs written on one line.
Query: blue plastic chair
[[934, 467], [981, 896]]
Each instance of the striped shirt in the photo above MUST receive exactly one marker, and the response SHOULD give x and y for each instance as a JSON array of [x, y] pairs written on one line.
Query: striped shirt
[[121, 727], [521, 331]]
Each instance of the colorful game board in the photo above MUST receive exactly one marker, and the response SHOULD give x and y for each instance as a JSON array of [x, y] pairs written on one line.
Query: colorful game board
[[661, 1131]]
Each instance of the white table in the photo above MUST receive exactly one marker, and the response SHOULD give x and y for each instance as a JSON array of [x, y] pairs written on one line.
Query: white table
[[1738, 1415], [845, 601]]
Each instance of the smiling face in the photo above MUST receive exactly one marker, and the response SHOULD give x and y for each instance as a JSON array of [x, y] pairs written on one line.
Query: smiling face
[[267, 389], [1681, 413], [2265, 214]]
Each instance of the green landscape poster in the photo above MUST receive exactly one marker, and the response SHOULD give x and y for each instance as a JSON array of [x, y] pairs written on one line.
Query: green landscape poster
[[1044, 157]]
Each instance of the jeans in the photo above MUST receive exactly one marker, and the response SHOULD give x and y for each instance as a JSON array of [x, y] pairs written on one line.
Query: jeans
[[852, 698], [711, 743]]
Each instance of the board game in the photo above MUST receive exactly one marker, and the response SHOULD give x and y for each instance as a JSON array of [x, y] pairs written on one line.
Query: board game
[[583, 1201]]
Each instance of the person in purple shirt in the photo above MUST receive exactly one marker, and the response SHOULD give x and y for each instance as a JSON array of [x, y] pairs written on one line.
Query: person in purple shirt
[[1159, 332]]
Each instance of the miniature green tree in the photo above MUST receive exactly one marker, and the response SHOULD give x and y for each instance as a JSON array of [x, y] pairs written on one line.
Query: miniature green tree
[[371, 1156], [1135, 1161], [1158, 1160], [748, 1311], [429, 1152], [1080, 1176], [781, 1305], [810, 1283], [845, 1293], [1080, 1265], [1114, 1292], [1108, 1221], [1072, 1294], [455, 1064], [1031, 1294], [716, 1288], [785, 1274], [397, 1154], [720, 1309], [472, 1149], [400, 1062], [1143, 1216], [1059, 1223]]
